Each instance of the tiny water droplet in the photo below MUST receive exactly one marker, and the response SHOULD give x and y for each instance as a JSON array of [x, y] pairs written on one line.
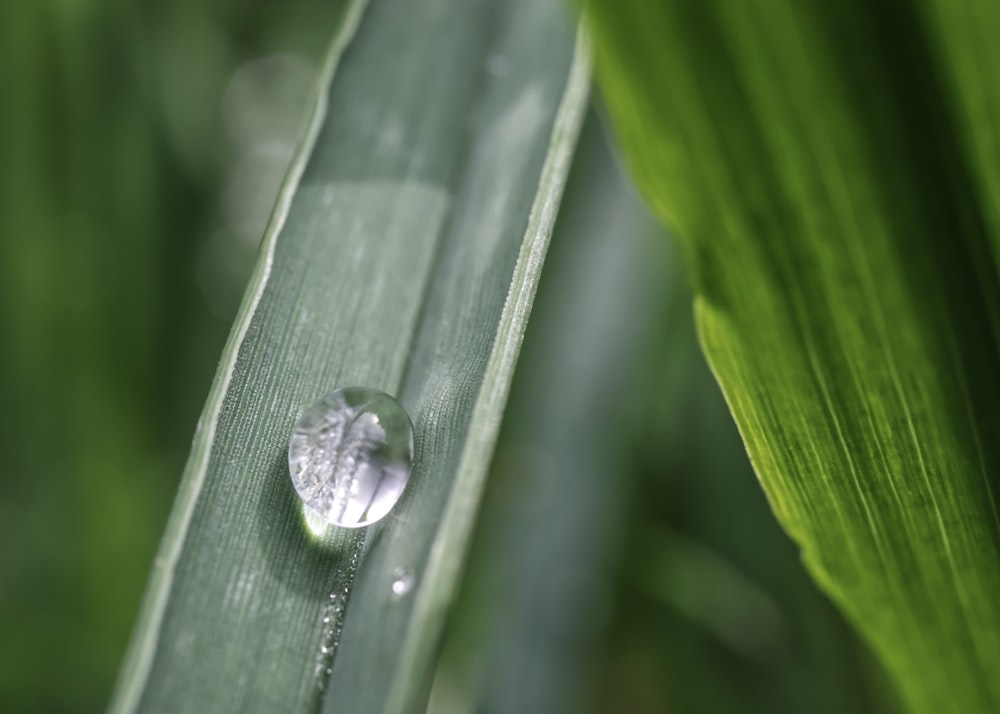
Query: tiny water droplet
[[350, 456], [402, 581]]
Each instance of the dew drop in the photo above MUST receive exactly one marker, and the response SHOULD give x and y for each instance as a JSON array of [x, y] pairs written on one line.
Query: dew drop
[[350, 456], [402, 581]]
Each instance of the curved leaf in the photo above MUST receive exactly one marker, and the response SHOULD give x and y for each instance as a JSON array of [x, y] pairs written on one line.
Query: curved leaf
[[805, 153]]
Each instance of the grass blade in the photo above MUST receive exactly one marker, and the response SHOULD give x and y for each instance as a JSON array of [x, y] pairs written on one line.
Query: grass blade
[[403, 255], [807, 160]]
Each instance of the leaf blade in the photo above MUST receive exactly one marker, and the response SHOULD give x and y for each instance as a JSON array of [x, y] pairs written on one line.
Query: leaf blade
[[390, 269], [810, 181]]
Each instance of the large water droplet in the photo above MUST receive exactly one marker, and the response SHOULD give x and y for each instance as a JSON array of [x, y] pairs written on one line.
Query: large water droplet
[[350, 455]]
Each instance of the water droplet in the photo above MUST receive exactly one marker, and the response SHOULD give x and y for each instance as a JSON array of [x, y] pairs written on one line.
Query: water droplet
[[350, 456], [402, 581]]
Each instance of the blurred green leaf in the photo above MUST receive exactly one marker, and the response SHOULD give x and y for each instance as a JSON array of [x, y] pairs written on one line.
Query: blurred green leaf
[[403, 255], [833, 201], [108, 347]]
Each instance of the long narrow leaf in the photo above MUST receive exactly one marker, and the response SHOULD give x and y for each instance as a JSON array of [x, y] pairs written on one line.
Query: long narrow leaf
[[403, 255], [835, 224]]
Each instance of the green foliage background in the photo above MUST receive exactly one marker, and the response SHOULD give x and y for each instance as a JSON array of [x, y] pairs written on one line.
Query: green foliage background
[[118, 292], [114, 155]]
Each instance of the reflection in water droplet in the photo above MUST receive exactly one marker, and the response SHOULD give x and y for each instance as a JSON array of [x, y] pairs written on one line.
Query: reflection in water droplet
[[350, 456], [402, 581]]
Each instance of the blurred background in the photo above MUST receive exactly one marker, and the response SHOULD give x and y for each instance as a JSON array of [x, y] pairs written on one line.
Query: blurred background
[[141, 146]]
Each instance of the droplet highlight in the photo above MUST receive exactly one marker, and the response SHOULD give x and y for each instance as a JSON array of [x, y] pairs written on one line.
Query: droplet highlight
[[350, 456]]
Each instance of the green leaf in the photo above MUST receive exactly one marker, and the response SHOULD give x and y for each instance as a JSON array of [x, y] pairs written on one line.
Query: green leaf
[[403, 255], [833, 197]]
